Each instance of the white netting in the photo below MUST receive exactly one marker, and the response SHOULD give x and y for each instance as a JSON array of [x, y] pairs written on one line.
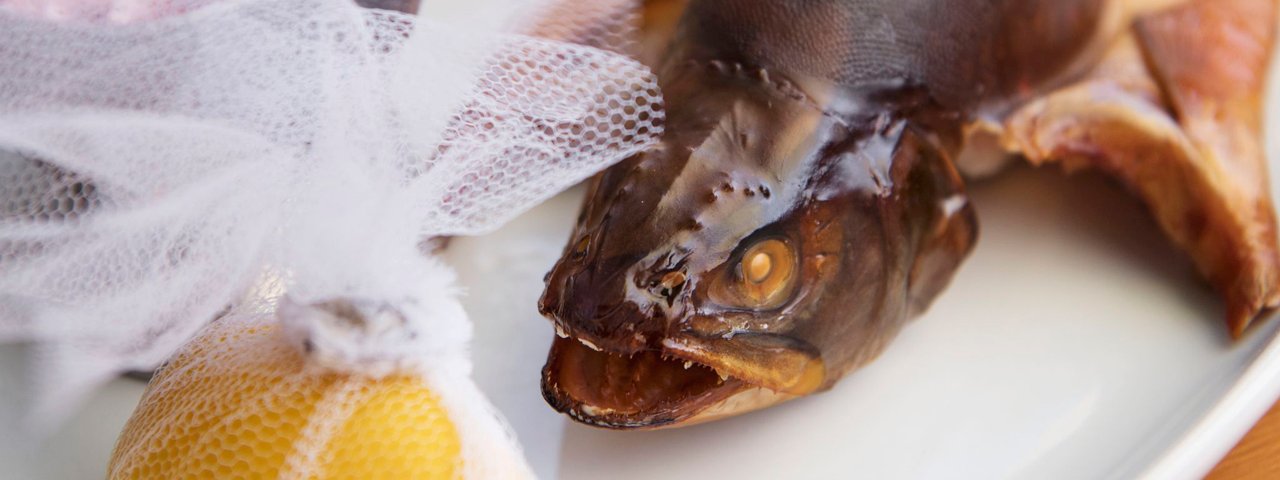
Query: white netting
[[243, 401], [164, 162]]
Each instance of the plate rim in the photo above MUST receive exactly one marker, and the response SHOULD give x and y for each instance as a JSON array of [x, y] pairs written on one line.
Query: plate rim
[[1235, 412]]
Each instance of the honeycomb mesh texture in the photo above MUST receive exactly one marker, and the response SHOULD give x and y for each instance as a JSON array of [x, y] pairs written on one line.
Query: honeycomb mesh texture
[[164, 162], [241, 401]]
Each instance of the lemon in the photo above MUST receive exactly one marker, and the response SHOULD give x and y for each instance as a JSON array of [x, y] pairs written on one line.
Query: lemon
[[240, 402]]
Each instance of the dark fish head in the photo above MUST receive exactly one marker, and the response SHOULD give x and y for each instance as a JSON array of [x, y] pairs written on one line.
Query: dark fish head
[[755, 256]]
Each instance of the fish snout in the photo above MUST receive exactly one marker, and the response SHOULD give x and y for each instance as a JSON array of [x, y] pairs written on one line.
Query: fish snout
[[601, 311], [563, 300]]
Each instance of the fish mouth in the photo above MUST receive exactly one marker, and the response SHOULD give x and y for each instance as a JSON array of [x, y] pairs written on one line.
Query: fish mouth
[[688, 380]]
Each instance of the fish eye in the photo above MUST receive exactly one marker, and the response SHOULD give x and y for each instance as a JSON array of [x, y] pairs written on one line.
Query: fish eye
[[763, 278]]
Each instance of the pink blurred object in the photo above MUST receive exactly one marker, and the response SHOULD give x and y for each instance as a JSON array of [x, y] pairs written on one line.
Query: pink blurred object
[[102, 11]]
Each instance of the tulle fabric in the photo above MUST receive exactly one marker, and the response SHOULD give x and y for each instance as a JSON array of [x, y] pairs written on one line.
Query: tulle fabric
[[165, 163]]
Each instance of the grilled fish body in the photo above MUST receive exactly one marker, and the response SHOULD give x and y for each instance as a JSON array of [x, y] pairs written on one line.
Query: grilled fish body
[[805, 201]]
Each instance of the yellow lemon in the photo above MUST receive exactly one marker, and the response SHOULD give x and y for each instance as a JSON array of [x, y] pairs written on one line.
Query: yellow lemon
[[240, 402]]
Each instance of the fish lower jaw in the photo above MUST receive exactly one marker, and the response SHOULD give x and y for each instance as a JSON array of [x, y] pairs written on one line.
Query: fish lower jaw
[[644, 390], [745, 401], [754, 398]]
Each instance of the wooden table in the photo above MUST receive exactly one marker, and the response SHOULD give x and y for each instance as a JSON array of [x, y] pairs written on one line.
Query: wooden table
[[1257, 456]]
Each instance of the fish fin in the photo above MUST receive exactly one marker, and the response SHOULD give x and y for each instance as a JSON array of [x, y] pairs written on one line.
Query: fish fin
[[1211, 58], [1174, 113], [949, 224]]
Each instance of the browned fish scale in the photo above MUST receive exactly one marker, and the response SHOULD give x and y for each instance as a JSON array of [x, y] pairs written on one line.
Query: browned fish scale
[[805, 202]]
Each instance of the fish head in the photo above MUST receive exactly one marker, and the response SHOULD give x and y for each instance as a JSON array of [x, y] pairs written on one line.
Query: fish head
[[747, 260]]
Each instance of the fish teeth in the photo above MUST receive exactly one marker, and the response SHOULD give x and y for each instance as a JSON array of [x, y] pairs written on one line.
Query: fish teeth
[[589, 344], [560, 332], [687, 364]]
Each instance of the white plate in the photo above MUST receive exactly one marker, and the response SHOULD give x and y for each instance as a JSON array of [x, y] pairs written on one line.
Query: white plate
[[1075, 342]]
